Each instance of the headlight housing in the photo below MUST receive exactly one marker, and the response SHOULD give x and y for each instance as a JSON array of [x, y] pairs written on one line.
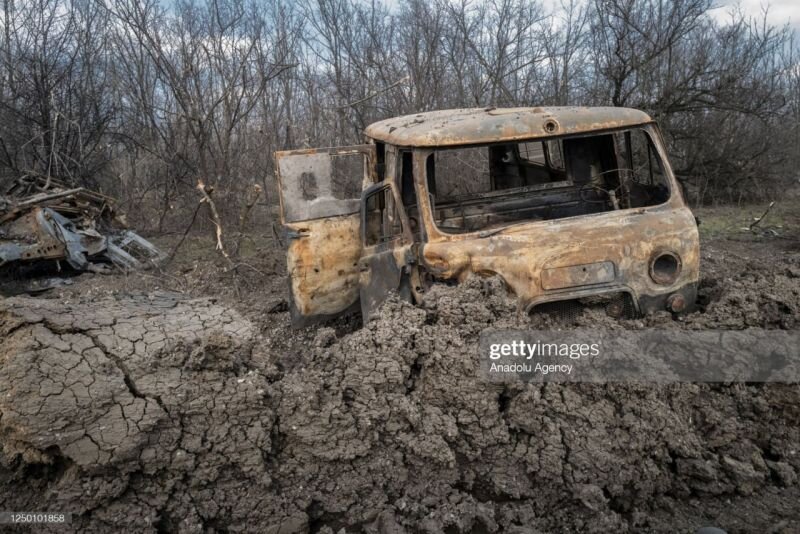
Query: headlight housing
[[665, 267]]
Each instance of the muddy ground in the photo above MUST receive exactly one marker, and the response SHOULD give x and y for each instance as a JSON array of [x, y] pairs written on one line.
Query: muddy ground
[[181, 401]]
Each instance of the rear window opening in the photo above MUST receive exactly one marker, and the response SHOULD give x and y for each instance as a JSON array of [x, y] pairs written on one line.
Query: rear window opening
[[484, 187]]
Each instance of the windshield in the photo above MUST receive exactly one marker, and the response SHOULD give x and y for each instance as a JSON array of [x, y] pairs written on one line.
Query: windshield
[[484, 187]]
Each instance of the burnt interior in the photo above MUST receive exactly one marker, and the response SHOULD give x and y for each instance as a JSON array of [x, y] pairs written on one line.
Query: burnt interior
[[381, 220], [483, 187]]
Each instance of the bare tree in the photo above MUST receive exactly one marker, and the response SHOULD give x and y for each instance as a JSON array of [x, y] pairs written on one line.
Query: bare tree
[[209, 67], [148, 100], [54, 100], [564, 39]]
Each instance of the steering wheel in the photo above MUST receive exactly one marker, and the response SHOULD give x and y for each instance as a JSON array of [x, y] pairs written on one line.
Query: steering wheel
[[614, 194]]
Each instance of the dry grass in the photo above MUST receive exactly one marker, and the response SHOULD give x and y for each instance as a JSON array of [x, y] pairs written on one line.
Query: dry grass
[[783, 220]]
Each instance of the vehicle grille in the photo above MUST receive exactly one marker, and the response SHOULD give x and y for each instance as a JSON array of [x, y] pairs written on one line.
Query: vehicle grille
[[618, 305]]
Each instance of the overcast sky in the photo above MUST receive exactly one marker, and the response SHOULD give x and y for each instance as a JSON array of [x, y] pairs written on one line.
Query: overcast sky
[[780, 11]]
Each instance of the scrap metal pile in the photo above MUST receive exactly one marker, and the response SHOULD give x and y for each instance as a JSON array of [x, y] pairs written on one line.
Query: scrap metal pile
[[43, 219]]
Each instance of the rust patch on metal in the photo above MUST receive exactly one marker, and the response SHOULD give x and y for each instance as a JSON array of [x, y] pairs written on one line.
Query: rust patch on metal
[[482, 125], [578, 275], [522, 254], [323, 257]]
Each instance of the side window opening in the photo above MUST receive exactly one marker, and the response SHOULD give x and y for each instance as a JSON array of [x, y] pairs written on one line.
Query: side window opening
[[347, 172], [380, 163], [555, 158], [430, 173], [482, 187], [321, 183], [382, 221], [408, 192], [645, 177], [532, 152]]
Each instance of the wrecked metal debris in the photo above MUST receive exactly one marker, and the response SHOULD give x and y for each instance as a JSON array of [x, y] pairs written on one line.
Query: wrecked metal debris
[[43, 219]]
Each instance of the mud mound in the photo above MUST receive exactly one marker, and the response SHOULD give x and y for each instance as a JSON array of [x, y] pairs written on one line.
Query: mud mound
[[176, 415], [760, 298], [143, 413]]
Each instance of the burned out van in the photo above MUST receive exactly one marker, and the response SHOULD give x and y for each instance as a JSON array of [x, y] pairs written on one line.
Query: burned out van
[[569, 206]]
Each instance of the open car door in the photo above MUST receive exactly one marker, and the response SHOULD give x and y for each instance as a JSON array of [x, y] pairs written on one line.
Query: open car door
[[387, 260], [320, 192]]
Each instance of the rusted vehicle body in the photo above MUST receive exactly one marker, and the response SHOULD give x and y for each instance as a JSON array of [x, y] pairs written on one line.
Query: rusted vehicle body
[[567, 205]]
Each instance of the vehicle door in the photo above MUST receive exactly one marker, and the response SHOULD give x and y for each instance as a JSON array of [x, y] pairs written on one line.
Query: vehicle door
[[320, 199], [387, 256]]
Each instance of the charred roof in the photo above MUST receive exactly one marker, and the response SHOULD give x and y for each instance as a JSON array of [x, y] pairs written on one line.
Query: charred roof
[[488, 125]]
